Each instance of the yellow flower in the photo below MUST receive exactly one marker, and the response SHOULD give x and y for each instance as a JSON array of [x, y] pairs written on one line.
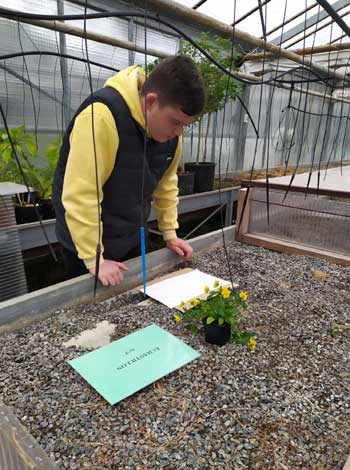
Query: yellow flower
[[177, 317], [216, 284], [243, 295], [252, 343], [206, 289], [194, 302], [225, 292], [182, 304]]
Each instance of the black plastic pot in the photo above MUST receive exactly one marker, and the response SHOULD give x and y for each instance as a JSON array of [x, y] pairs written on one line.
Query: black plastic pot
[[204, 175], [47, 209], [27, 214], [215, 334], [185, 183]]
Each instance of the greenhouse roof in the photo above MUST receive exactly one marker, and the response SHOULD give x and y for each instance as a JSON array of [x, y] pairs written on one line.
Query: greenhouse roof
[[291, 24]]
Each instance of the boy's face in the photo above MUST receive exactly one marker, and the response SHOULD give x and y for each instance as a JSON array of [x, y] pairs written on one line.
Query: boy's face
[[164, 122]]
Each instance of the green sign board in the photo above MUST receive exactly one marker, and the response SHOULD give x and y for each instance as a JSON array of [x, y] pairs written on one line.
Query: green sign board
[[123, 367]]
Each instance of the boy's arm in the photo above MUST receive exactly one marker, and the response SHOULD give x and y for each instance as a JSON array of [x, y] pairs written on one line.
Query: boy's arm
[[165, 197], [79, 194]]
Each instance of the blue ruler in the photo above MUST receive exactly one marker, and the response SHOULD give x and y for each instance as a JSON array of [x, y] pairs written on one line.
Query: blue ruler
[[143, 259]]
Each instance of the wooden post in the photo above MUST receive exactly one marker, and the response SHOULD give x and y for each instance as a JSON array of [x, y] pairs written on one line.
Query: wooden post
[[244, 204], [102, 38], [302, 51]]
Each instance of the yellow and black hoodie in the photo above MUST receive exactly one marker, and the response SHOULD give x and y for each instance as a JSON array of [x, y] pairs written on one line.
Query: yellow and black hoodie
[[118, 139]]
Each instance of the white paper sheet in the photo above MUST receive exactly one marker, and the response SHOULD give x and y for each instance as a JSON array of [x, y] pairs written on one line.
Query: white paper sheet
[[171, 292]]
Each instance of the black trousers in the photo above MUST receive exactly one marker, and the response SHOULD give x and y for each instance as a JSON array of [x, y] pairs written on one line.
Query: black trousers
[[76, 267]]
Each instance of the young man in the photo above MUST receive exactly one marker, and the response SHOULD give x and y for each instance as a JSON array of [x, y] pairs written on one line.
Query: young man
[[128, 179]]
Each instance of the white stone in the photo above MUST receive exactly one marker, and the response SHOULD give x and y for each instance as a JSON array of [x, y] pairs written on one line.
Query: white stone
[[95, 338]]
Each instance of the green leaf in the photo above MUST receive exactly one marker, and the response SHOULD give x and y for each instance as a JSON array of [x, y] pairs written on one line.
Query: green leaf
[[193, 329], [333, 332], [17, 132], [29, 138], [6, 155], [51, 151], [31, 147], [221, 321], [242, 338], [210, 320]]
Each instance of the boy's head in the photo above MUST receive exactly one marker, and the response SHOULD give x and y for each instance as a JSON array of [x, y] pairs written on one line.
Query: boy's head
[[172, 96]]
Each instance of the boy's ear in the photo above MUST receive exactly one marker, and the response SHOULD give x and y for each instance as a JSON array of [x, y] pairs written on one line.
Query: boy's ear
[[151, 99]]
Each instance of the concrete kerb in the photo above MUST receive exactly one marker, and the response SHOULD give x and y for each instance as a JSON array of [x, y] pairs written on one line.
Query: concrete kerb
[[21, 311]]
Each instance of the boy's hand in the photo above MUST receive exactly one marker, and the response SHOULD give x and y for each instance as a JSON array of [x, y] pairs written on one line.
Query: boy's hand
[[180, 247], [110, 272]]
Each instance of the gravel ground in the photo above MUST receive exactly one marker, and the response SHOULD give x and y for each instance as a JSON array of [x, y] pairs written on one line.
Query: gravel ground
[[283, 406]]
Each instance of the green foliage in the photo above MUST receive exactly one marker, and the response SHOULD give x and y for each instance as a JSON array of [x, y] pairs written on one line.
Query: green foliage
[[219, 86], [217, 83], [221, 305], [46, 173], [52, 152], [242, 338], [25, 146], [333, 332]]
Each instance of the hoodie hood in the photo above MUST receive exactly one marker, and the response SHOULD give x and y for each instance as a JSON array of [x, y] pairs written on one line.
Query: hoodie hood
[[128, 83]]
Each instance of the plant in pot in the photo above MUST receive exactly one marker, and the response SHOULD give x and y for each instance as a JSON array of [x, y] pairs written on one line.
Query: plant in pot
[[219, 312], [220, 87], [26, 150], [37, 176], [185, 179]]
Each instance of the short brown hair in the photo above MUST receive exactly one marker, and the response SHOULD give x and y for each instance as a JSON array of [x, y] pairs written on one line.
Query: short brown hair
[[178, 82]]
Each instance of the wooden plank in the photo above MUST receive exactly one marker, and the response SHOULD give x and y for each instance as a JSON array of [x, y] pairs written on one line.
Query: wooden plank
[[18, 449], [273, 243], [285, 246], [242, 222], [330, 182], [347, 464]]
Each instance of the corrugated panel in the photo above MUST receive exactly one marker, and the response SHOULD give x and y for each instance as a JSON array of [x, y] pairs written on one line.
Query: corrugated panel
[[12, 276], [44, 72]]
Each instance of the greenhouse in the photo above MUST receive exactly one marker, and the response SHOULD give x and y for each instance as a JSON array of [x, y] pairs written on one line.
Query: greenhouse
[[174, 234]]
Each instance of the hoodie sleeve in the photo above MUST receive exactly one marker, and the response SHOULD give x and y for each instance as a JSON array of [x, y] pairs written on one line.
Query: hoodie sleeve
[[79, 196], [165, 198]]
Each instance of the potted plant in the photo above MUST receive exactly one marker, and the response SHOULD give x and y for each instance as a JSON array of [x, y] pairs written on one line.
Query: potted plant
[[185, 180], [219, 87], [26, 150], [37, 176], [219, 312]]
